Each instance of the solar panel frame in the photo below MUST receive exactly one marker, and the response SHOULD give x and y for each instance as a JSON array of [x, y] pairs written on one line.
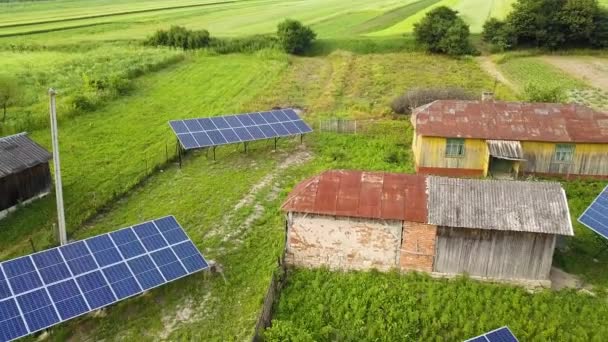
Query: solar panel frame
[[66, 306], [503, 334], [237, 128], [592, 215]]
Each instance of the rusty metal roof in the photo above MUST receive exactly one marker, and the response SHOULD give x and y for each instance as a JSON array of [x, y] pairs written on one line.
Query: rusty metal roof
[[536, 207], [18, 152], [504, 149], [520, 121], [361, 194]]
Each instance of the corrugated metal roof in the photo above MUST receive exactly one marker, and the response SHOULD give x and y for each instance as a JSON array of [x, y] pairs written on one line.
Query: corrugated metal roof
[[497, 120], [538, 207], [361, 194], [19, 152], [503, 149]]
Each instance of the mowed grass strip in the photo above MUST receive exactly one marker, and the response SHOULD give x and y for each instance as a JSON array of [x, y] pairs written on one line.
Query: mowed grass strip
[[105, 153]]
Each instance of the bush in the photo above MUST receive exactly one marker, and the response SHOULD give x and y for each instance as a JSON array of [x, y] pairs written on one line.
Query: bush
[[536, 93], [550, 24], [180, 37], [497, 34], [83, 103], [417, 97], [243, 45], [294, 37], [443, 31]]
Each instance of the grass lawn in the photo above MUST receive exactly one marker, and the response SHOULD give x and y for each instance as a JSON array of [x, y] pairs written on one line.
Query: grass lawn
[[107, 152]]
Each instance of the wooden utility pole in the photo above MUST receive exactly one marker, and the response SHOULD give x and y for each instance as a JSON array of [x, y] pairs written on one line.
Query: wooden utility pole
[[63, 239]]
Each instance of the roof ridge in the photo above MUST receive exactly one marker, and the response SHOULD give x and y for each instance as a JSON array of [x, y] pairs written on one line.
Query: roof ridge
[[13, 136]]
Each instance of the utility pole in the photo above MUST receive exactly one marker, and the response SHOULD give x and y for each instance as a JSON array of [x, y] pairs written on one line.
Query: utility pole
[[63, 239]]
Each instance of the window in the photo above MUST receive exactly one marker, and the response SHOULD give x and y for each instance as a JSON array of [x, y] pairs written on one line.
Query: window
[[454, 147], [564, 153]]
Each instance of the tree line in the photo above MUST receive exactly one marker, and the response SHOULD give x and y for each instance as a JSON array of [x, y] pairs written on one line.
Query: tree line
[[292, 36]]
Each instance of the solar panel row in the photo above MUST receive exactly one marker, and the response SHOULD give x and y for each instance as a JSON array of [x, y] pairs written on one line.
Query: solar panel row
[[46, 288], [596, 216], [499, 335], [222, 130]]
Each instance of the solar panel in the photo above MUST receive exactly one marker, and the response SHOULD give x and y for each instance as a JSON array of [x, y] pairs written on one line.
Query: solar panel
[[46, 288], [499, 335], [596, 216], [231, 129]]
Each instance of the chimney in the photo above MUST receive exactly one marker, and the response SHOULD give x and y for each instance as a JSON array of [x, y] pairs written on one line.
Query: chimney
[[487, 96]]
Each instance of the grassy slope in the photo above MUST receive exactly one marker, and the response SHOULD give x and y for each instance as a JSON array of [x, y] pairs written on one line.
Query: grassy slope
[[373, 306], [106, 152]]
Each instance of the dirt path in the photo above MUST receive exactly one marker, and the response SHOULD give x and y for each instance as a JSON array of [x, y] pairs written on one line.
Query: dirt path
[[592, 70], [490, 67], [302, 155]]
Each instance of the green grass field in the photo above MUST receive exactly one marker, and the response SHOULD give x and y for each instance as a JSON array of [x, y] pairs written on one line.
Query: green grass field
[[117, 154], [318, 305]]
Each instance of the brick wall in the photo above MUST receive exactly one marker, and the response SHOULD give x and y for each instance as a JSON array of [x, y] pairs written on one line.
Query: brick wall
[[343, 243], [418, 247]]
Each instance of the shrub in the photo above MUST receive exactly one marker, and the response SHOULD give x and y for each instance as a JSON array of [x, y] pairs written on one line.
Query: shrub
[[497, 34], [443, 31], [243, 45], [536, 93], [83, 103], [294, 37], [10, 91], [416, 97], [180, 37]]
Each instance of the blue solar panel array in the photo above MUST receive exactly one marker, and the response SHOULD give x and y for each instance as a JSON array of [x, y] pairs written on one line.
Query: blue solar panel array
[[499, 335], [596, 216], [46, 288], [231, 129]]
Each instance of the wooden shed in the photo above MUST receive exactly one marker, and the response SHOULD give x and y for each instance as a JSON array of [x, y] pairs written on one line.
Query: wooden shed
[[480, 138], [497, 230], [24, 171]]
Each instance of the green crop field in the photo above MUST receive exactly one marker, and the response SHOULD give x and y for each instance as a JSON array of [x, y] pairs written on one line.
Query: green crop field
[[119, 163]]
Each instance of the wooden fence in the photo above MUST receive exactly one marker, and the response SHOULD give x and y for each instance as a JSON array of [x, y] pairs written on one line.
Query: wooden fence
[[338, 126], [272, 295]]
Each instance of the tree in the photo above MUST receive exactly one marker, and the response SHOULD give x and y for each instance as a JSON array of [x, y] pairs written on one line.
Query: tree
[[10, 91], [443, 31], [294, 37], [536, 93], [550, 24]]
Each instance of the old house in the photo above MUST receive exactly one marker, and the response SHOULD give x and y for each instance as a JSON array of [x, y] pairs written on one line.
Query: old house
[[24, 171], [488, 229], [478, 138]]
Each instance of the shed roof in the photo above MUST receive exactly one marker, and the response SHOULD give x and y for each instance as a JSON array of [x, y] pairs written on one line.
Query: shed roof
[[520, 121], [361, 194], [18, 152], [537, 207]]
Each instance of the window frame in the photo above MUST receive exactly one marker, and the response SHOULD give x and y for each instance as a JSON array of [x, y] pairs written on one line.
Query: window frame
[[455, 144], [564, 153]]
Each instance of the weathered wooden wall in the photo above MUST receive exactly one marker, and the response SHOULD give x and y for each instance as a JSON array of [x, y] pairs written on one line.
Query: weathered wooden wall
[[343, 243], [494, 254], [22, 186], [589, 159], [429, 154]]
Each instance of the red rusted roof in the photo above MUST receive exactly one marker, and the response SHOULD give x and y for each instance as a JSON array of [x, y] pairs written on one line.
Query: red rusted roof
[[511, 121], [378, 195]]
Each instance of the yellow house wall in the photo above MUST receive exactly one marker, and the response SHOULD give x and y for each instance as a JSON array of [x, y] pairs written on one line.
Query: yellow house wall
[[429, 152], [589, 159]]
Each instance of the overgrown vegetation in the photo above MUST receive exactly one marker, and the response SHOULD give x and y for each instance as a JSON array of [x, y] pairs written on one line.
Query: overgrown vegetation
[[180, 37], [550, 24], [443, 31], [294, 37], [9, 93], [319, 305], [417, 97]]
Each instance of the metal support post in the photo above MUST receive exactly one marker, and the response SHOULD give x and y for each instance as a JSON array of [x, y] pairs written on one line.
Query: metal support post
[[63, 238]]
